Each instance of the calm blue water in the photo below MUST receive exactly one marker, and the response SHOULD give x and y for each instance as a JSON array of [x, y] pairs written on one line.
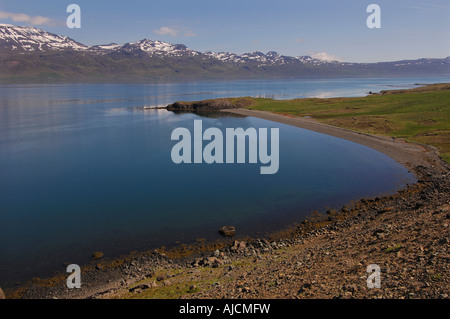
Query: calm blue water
[[84, 168]]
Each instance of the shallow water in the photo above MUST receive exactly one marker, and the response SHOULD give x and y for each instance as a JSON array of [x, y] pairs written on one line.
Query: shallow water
[[84, 168]]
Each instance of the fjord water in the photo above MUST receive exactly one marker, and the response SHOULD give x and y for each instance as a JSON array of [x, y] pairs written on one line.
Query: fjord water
[[85, 168]]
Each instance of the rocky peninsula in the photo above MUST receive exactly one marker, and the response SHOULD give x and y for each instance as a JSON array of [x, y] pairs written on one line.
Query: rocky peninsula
[[210, 105]]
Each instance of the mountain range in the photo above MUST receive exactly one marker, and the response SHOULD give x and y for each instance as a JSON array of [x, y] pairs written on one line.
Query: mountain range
[[29, 54]]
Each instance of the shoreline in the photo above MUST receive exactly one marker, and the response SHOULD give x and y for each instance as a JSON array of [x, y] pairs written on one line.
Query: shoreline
[[407, 154], [105, 279]]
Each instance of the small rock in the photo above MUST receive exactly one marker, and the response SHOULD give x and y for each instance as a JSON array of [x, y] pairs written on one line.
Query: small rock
[[305, 286], [228, 231], [161, 277], [212, 262], [351, 288], [2, 294], [385, 210], [97, 255], [196, 262], [140, 287], [192, 288], [242, 245], [238, 245]]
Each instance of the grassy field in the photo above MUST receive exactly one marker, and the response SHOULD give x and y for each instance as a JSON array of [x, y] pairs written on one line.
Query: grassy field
[[419, 115]]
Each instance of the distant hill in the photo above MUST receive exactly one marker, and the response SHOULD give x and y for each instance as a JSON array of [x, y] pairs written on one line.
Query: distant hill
[[29, 54]]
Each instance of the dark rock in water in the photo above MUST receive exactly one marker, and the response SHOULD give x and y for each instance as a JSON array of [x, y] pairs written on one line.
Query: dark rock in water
[[97, 255], [228, 231], [210, 105]]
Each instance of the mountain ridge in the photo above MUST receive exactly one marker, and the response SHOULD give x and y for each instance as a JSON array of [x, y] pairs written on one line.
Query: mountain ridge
[[50, 41], [29, 54]]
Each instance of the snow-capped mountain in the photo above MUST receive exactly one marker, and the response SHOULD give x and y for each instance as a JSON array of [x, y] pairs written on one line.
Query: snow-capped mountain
[[158, 48], [32, 54], [268, 59], [28, 39]]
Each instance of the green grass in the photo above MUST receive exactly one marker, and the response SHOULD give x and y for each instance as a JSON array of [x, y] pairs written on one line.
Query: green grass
[[437, 277], [181, 281], [180, 285], [419, 115], [393, 249]]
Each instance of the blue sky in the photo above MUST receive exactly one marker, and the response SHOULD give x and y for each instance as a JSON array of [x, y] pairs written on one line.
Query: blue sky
[[410, 29]]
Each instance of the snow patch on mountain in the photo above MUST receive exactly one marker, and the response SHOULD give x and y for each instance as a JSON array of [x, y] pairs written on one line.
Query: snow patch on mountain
[[159, 48], [34, 39]]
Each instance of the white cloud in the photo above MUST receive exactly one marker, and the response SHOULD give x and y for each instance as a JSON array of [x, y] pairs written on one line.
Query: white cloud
[[168, 31], [175, 31], [324, 56], [22, 17], [299, 40]]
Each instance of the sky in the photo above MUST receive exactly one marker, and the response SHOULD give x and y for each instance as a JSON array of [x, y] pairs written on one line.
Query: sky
[[329, 29]]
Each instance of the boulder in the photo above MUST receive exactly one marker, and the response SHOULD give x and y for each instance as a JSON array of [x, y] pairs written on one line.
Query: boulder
[[97, 255], [228, 231], [238, 245]]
